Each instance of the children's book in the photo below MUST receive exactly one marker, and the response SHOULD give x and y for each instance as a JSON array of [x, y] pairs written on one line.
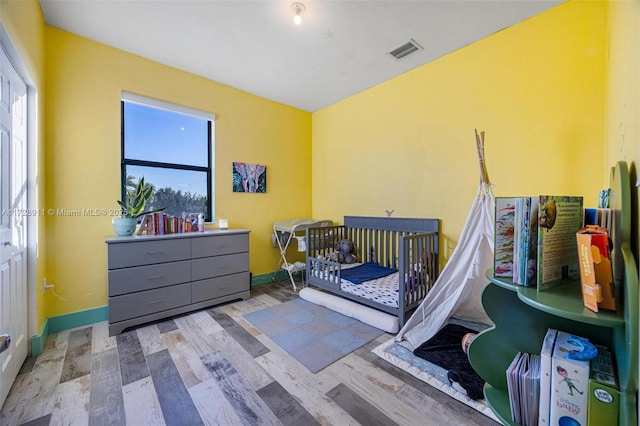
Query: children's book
[[546, 352], [520, 239], [504, 233], [559, 219], [523, 386], [531, 275]]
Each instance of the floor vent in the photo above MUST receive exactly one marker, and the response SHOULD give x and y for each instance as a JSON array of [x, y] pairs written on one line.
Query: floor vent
[[405, 50]]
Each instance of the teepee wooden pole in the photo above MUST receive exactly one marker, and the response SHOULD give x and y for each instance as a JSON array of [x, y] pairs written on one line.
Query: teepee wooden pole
[[484, 176]]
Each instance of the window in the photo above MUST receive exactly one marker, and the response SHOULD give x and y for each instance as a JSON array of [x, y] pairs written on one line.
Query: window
[[172, 148]]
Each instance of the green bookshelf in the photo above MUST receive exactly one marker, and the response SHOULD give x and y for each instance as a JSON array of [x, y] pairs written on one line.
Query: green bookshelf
[[522, 316]]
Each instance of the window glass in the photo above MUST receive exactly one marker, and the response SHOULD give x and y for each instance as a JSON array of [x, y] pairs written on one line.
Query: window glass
[[172, 150]]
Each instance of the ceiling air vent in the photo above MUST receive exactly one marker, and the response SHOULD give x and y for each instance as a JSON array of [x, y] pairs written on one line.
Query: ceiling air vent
[[405, 50]]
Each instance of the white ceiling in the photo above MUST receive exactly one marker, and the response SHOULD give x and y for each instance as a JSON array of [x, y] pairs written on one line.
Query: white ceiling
[[340, 49]]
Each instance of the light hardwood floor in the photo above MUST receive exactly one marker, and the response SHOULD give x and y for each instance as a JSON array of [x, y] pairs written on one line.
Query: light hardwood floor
[[212, 367]]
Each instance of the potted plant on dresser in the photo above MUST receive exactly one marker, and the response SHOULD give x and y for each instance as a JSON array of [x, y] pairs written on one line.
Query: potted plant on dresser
[[133, 206]]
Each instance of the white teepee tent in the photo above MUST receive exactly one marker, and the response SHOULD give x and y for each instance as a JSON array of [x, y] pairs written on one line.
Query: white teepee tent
[[458, 289]]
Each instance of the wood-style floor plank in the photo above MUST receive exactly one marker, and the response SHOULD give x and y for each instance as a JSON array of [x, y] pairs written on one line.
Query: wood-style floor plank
[[177, 405], [38, 399], [199, 320], [167, 325], [100, 339], [359, 408], [196, 336], [242, 336], [240, 359], [186, 360], [285, 407], [150, 339], [106, 406], [12, 403], [141, 405], [212, 404], [379, 389], [248, 405], [41, 421], [307, 388], [419, 394], [77, 361], [72, 401], [133, 365]]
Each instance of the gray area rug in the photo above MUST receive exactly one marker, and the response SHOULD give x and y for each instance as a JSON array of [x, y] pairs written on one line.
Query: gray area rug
[[312, 334]]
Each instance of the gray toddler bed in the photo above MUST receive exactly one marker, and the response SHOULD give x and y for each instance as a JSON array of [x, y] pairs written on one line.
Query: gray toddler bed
[[397, 262]]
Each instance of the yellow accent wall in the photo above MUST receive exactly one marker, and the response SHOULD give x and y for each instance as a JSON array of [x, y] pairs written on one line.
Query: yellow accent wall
[[623, 88], [623, 82], [537, 89], [85, 81], [24, 24]]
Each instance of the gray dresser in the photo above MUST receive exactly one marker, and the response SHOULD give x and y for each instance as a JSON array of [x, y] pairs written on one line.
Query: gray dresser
[[157, 276]]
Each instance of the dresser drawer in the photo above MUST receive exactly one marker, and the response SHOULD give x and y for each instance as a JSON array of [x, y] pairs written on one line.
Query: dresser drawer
[[221, 286], [148, 302], [129, 280], [219, 245], [216, 266], [140, 253]]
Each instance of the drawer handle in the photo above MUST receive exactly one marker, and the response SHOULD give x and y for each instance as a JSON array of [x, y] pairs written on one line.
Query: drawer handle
[[155, 277], [152, 302], [155, 252]]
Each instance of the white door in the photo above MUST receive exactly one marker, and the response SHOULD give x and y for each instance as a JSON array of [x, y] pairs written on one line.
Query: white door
[[13, 224]]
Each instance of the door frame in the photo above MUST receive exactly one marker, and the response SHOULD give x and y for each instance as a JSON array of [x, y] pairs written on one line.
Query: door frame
[[32, 173]]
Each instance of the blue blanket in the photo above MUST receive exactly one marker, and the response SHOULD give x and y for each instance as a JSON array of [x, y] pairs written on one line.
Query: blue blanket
[[365, 272]]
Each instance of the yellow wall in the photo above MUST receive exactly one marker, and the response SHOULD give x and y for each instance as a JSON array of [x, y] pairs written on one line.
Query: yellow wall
[[85, 80], [623, 87], [623, 83], [24, 24], [537, 89]]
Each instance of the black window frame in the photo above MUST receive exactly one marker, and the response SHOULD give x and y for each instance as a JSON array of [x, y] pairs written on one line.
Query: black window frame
[[124, 162]]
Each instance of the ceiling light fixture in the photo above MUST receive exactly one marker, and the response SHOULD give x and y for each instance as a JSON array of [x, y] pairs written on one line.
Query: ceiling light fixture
[[298, 8]]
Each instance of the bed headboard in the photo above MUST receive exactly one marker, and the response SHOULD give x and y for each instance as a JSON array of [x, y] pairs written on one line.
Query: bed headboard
[[393, 223]]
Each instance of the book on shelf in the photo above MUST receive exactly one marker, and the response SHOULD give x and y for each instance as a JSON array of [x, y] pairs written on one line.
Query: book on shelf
[[602, 217], [523, 385], [534, 241], [546, 352], [504, 233], [527, 240], [559, 219]]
